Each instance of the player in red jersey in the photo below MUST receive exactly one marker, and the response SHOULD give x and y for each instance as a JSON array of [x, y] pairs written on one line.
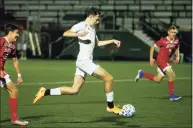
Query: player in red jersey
[[8, 48], [167, 46]]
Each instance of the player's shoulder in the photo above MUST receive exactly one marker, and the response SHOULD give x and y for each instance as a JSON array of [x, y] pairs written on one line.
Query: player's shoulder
[[163, 38], [176, 41], [2, 39], [82, 23]]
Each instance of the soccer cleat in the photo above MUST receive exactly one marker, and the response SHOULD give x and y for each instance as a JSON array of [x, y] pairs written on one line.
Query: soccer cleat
[[139, 75], [39, 95], [19, 122], [173, 97], [117, 110]]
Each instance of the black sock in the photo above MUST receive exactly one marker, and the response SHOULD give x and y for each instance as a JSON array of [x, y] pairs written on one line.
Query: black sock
[[3, 80], [47, 92], [110, 104]]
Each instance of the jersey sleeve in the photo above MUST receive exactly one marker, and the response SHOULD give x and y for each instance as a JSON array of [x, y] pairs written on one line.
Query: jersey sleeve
[[159, 43], [77, 27]]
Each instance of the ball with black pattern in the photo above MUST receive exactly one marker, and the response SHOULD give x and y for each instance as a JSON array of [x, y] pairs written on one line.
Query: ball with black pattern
[[128, 110]]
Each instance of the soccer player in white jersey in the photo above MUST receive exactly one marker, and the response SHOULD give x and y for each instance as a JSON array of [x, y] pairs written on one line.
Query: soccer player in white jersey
[[87, 39]]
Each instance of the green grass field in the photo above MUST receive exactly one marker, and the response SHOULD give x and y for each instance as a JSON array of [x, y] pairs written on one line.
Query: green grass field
[[87, 109]]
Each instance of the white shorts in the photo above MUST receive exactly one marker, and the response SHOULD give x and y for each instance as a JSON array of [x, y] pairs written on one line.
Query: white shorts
[[162, 72], [6, 77], [84, 67], [21, 47]]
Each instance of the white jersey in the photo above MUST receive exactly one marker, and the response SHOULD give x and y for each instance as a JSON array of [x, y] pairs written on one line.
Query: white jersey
[[87, 42]]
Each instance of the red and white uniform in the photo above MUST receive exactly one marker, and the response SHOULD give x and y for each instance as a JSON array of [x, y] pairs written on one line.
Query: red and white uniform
[[166, 48], [6, 49]]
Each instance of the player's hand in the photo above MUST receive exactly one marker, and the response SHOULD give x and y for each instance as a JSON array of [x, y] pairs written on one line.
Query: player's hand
[[83, 34], [176, 60], [117, 42], [19, 80], [152, 61]]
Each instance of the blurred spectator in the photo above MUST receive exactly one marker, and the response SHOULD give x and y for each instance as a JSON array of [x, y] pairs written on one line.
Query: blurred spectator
[[22, 43]]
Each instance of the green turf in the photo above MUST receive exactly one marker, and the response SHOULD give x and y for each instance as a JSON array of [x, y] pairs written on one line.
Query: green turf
[[87, 109]]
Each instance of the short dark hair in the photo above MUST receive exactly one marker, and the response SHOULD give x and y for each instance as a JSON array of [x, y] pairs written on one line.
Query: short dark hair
[[92, 11], [10, 27], [172, 27]]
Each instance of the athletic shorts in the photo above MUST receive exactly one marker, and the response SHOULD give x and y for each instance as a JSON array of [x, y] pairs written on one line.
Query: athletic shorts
[[84, 67], [21, 47], [162, 67], [4, 76]]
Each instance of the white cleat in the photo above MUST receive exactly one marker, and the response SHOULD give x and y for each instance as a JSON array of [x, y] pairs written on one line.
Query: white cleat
[[19, 122], [139, 75]]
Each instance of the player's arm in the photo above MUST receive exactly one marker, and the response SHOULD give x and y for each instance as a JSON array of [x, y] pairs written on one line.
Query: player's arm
[[158, 44], [177, 55], [76, 30], [16, 65], [151, 53], [17, 68], [105, 42], [70, 33]]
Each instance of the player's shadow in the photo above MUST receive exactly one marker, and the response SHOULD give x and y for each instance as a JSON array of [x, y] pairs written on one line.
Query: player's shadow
[[117, 121], [27, 118], [113, 120], [77, 102], [187, 96]]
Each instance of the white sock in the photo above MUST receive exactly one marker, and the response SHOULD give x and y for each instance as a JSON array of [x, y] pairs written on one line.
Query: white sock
[[110, 96], [55, 92]]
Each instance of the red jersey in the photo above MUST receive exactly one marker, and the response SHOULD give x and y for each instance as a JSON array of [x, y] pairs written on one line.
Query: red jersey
[[6, 49], [166, 48]]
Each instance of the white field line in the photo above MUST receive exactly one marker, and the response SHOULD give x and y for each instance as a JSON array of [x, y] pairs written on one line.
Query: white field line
[[97, 81]]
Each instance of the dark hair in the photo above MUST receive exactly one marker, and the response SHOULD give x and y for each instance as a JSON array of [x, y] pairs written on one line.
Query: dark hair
[[172, 27], [10, 27], [91, 11]]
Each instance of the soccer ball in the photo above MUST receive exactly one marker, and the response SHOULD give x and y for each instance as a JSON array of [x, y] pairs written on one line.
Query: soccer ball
[[128, 110]]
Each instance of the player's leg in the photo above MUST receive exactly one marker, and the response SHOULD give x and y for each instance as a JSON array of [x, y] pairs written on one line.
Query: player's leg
[[160, 75], [66, 90], [156, 78], [171, 78], [91, 68], [8, 85], [104, 75], [79, 80]]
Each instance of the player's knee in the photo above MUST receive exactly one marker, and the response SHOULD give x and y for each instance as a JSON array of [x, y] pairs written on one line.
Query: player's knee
[[159, 79], [75, 91], [14, 92], [171, 76], [108, 78]]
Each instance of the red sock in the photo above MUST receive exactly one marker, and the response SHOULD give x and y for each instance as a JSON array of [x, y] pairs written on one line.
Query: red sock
[[148, 76], [13, 108], [171, 87]]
